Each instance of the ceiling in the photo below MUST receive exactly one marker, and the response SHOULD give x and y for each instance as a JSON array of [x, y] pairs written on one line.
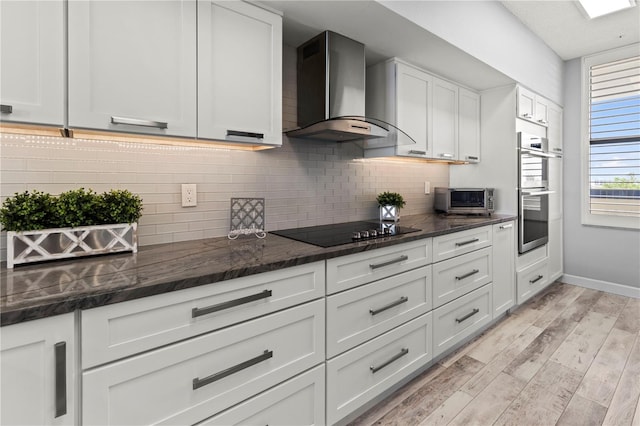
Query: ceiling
[[565, 28]]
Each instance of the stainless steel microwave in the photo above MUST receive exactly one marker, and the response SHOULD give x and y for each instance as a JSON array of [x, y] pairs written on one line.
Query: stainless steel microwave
[[464, 200]]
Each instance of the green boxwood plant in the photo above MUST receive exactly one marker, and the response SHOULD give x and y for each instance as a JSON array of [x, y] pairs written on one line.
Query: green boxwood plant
[[391, 199], [29, 211]]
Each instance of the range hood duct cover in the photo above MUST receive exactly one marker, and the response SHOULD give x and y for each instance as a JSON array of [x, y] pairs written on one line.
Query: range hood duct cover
[[331, 73]]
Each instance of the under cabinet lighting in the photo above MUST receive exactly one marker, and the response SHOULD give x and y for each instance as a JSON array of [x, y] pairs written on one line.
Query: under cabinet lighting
[[596, 8]]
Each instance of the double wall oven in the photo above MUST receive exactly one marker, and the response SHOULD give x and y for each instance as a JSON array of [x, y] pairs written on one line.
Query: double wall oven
[[533, 191]]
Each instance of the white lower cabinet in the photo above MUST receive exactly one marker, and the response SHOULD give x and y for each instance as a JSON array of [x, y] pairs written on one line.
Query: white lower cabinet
[[532, 279], [361, 374], [37, 371], [461, 318], [192, 380], [504, 268], [297, 402], [455, 277]]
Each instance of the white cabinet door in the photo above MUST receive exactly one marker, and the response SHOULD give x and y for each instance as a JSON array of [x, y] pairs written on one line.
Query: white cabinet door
[[445, 120], [239, 73], [132, 66], [541, 111], [37, 362], [468, 126], [554, 131], [413, 113], [504, 268], [555, 246], [32, 62], [526, 104]]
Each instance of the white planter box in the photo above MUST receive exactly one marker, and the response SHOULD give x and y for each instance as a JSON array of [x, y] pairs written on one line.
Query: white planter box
[[63, 243], [389, 213]]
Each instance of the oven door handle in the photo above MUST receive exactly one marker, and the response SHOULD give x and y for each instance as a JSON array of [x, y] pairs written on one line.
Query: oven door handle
[[545, 192], [536, 153]]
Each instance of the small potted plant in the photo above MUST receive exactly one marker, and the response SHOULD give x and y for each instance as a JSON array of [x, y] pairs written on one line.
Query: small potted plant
[[390, 204], [76, 223]]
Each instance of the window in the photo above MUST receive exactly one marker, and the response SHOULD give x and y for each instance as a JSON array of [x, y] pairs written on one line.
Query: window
[[612, 129]]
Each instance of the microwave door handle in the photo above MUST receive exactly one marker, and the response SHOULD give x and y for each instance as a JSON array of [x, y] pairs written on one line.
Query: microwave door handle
[[538, 192]]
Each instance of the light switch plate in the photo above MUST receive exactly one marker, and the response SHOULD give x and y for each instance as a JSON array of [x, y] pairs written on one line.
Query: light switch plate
[[427, 187], [189, 195]]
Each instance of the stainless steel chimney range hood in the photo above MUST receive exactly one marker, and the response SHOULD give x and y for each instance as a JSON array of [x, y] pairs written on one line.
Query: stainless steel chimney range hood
[[331, 72]]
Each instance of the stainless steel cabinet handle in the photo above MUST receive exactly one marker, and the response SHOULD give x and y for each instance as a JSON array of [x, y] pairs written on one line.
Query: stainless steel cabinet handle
[[400, 301], [6, 109], [60, 357], [464, 243], [198, 383], [390, 262], [197, 312], [138, 122], [416, 152], [527, 115], [468, 274], [402, 353], [557, 149], [245, 134], [543, 121], [446, 155], [536, 279], [471, 157], [469, 315], [506, 226]]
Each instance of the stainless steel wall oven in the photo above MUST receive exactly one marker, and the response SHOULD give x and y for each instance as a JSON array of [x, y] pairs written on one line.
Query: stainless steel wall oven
[[533, 192]]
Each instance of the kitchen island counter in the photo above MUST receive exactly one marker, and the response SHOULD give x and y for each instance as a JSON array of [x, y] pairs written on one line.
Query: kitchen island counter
[[42, 290]]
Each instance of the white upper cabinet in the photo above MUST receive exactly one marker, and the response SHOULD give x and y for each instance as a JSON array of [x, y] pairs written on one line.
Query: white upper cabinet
[[132, 66], [554, 131], [532, 107], [239, 73], [32, 62], [445, 120], [401, 94], [468, 126]]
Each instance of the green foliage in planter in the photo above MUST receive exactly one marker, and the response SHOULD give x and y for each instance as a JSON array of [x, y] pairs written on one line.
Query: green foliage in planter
[[391, 199], [78, 207], [35, 210], [28, 211], [119, 206]]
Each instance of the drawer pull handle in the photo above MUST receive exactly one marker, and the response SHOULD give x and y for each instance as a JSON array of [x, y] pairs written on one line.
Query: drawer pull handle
[[60, 356], [390, 262], [464, 243], [506, 226], [245, 134], [197, 312], [198, 383], [536, 279], [400, 301], [469, 315], [416, 152], [139, 122], [468, 274], [6, 109], [402, 353]]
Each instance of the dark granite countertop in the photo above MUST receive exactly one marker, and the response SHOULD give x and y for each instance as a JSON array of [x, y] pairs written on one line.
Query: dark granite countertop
[[46, 289]]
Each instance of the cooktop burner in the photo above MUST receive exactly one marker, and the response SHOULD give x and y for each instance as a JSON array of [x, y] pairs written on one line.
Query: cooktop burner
[[344, 233]]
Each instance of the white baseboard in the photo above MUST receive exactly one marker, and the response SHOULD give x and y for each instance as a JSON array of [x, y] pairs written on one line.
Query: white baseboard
[[621, 289]]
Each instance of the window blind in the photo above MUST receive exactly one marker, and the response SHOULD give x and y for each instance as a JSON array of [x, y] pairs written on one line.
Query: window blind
[[614, 129]]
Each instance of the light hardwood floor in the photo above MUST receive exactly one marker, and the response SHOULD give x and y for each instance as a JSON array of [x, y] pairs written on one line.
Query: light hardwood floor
[[569, 356]]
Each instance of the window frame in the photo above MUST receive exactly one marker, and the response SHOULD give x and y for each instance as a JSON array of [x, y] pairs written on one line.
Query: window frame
[[610, 221]]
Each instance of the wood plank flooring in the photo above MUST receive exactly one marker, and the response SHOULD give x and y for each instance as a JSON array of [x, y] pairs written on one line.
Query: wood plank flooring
[[569, 356]]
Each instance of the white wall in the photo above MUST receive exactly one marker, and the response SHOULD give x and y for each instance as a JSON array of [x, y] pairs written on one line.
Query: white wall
[[490, 33], [593, 256]]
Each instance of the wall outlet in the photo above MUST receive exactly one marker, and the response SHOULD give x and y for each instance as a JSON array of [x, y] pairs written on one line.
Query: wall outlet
[[189, 195], [427, 187]]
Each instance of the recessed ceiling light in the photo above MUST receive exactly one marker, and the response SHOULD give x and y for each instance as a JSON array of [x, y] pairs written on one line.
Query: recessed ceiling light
[[596, 8]]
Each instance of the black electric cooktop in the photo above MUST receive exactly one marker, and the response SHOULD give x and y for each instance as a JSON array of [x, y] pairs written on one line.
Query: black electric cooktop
[[344, 233]]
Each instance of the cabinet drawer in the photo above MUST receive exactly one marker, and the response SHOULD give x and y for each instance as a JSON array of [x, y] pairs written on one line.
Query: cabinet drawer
[[459, 319], [451, 245], [361, 374], [123, 329], [299, 401], [455, 277], [353, 270], [532, 279], [192, 380], [360, 314]]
